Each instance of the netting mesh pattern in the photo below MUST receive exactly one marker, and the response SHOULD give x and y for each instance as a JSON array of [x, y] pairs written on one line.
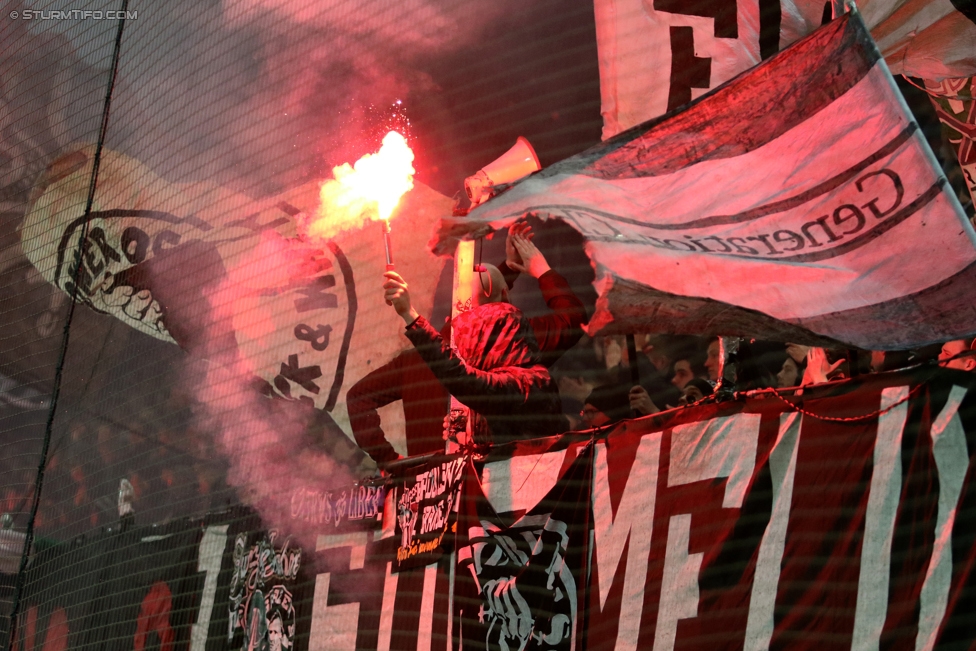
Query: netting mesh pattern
[[132, 133], [156, 162]]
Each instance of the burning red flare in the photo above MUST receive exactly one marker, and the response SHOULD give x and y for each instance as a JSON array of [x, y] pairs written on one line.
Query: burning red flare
[[369, 189]]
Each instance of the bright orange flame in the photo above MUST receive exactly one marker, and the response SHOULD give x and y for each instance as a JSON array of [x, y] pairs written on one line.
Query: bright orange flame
[[370, 189]]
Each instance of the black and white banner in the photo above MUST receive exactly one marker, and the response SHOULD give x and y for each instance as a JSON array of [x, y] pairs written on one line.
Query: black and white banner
[[520, 582], [657, 55], [745, 525], [225, 276], [426, 511]]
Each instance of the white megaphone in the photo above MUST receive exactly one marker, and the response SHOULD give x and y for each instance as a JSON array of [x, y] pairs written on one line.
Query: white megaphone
[[517, 162]]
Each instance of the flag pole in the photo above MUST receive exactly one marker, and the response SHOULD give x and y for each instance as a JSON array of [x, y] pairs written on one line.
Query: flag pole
[[728, 349], [634, 370], [456, 428], [632, 357]]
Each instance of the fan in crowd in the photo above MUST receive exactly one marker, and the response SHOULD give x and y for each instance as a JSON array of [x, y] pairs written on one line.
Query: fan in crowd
[[959, 354], [496, 372], [595, 384], [791, 372]]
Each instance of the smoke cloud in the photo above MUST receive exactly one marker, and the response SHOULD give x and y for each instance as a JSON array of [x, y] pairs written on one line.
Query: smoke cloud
[[275, 447], [266, 94], [256, 97]]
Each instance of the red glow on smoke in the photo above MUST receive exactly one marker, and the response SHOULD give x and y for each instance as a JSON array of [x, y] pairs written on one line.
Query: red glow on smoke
[[263, 439]]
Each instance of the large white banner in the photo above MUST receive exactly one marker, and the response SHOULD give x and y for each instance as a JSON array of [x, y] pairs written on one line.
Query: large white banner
[[657, 55], [226, 277], [799, 201]]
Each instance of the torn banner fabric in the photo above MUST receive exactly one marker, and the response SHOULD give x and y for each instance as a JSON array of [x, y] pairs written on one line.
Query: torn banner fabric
[[797, 202]]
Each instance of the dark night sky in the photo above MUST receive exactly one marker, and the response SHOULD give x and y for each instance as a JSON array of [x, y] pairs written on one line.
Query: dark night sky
[[533, 74]]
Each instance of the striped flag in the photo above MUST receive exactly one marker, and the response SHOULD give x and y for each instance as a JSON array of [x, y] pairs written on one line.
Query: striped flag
[[797, 202]]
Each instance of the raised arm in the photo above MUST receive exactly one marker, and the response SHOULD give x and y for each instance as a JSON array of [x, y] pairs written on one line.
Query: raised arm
[[559, 331], [562, 329], [484, 391]]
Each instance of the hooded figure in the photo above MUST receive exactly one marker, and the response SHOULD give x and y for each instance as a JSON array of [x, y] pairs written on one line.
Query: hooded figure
[[496, 373], [424, 399]]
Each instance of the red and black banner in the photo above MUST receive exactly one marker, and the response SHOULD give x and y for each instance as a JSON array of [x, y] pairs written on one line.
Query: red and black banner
[[842, 517]]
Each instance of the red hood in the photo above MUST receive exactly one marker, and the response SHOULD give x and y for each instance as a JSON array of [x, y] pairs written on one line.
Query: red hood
[[495, 335]]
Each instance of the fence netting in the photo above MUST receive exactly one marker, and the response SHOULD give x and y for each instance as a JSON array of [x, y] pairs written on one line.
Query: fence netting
[[160, 162], [199, 116]]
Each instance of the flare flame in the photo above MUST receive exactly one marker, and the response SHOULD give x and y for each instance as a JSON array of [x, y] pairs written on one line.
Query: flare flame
[[370, 189]]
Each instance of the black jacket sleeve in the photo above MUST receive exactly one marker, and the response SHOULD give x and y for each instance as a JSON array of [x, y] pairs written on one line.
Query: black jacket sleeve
[[487, 392], [559, 331]]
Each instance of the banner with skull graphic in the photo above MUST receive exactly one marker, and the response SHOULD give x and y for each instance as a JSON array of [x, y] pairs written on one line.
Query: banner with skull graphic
[[227, 277], [520, 576]]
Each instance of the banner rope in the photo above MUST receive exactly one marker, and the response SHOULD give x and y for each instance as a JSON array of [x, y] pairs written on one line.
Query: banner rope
[[848, 419]]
